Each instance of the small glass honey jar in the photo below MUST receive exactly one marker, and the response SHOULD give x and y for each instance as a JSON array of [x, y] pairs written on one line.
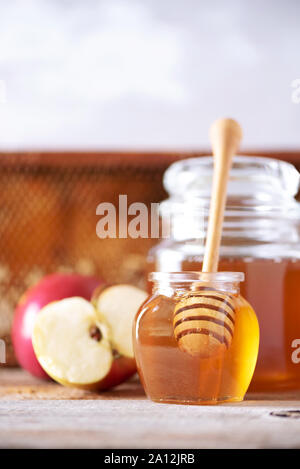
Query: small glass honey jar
[[196, 338]]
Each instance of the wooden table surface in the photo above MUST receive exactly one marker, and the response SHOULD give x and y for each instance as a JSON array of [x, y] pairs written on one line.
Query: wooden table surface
[[38, 414]]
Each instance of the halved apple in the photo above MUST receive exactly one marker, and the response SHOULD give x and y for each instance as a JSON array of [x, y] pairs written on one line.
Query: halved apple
[[72, 345], [53, 287], [118, 305], [89, 345]]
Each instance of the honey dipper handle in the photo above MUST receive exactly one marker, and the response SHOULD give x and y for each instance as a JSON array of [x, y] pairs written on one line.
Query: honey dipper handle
[[225, 136]]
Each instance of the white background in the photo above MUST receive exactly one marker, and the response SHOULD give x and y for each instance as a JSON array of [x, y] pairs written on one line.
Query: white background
[[127, 74]]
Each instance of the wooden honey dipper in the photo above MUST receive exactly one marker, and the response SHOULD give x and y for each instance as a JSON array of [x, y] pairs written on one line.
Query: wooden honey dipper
[[204, 320]]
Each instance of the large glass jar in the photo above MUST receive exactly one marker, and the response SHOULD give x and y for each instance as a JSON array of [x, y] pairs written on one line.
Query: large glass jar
[[260, 238], [196, 338]]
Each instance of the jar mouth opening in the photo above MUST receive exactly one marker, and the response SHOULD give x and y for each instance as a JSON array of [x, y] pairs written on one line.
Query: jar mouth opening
[[203, 277]]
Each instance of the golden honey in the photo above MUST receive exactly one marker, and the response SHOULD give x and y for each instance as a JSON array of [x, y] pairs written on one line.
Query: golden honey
[[273, 289], [172, 374], [261, 238]]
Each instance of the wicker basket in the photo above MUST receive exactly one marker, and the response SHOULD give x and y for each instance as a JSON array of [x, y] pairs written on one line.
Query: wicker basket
[[48, 217]]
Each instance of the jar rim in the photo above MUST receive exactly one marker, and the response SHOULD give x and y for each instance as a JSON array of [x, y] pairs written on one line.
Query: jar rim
[[203, 277]]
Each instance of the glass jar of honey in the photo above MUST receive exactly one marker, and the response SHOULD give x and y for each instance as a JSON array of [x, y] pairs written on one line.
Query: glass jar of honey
[[196, 338], [261, 237]]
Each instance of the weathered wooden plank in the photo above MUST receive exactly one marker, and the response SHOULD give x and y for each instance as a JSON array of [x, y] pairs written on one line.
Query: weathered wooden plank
[[45, 415]]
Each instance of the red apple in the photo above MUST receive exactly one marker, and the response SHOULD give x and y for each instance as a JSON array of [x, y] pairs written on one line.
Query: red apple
[[122, 369], [85, 345], [51, 288]]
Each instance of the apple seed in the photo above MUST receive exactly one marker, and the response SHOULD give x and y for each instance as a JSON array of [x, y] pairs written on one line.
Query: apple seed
[[95, 333], [115, 353]]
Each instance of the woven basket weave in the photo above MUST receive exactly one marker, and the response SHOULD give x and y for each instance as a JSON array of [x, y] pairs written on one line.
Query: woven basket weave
[[48, 217]]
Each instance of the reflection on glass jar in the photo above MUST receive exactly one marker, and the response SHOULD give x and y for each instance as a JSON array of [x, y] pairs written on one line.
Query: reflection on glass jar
[[260, 238], [196, 338]]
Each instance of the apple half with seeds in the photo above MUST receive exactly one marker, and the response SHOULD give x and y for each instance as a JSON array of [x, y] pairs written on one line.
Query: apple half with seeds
[[118, 305], [54, 287], [71, 345], [89, 345]]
